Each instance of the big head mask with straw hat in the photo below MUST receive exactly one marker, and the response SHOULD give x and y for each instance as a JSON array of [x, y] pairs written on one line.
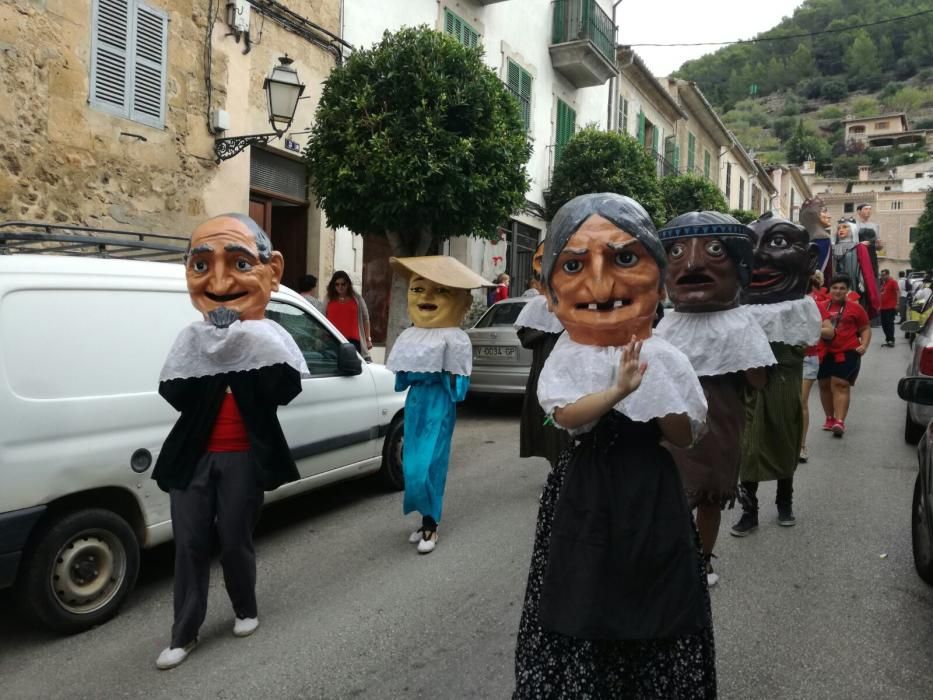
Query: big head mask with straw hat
[[438, 289]]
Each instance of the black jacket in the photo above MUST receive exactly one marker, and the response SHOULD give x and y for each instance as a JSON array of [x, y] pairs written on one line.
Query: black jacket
[[258, 394]]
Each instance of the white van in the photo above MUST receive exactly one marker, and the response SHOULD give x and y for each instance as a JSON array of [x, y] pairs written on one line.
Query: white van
[[82, 341]]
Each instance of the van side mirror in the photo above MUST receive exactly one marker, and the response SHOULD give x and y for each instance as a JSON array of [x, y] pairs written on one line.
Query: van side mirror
[[916, 390], [348, 360]]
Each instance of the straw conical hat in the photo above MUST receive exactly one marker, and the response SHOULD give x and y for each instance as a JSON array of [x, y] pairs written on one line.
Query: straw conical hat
[[441, 269]]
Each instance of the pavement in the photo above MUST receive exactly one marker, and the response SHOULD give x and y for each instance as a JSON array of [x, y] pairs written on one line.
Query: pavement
[[831, 608]]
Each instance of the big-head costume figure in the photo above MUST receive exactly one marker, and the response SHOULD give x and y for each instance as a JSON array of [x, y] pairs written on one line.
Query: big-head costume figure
[[227, 375], [853, 257], [603, 567], [709, 262], [784, 261], [433, 360], [814, 216]]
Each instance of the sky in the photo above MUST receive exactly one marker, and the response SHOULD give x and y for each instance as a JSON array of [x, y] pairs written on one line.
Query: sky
[[671, 21]]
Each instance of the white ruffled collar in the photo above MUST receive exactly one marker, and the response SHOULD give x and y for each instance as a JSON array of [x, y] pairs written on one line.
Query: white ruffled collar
[[535, 314], [432, 350], [203, 350], [670, 386], [718, 342], [794, 322]]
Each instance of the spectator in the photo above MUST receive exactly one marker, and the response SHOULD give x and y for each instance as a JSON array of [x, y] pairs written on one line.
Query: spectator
[[307, 287], [347, 311], [890, 294], [903, 287], [812, 358], [502, 288]]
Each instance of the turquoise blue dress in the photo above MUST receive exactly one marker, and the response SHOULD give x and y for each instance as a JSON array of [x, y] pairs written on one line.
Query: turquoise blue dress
[[430, 414]]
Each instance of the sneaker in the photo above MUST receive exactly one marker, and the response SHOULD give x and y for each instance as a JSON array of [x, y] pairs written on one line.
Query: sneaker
[[830, 422], [173, 656], [428, 542], [745, 525], [415, 537], [245, 626], [712, 578], [786, 516], [839, 428], [804, 455]]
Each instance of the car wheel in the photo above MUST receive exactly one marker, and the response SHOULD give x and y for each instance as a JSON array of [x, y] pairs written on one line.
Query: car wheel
[[912, 431], [920, 534], [78, 570], [391, 475]]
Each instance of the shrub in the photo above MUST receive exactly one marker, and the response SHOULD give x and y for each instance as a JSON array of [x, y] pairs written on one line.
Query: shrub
[[830, 112], [745, 216], [834, 90]]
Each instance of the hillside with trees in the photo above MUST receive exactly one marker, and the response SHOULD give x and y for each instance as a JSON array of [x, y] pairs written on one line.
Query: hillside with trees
[[785, 98]]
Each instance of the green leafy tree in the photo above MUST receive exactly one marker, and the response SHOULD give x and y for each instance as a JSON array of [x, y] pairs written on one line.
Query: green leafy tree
[[744, 216], [605, 161], [921, 255], [834, 90], [417, 140], [805, 145], [801, 64], [683, 193], [907, 99], [862, 62]]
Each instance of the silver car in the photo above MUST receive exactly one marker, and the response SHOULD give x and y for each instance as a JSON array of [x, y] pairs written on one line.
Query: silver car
[[921, 365], [500, 363]]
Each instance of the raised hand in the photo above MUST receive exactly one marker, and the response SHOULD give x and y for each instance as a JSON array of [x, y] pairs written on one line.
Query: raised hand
[[631, 369]]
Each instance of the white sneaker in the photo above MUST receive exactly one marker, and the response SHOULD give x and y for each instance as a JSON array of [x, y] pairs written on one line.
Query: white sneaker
[[245, 627], [426, 546], [415, 537], [173, 656], [712, 578]]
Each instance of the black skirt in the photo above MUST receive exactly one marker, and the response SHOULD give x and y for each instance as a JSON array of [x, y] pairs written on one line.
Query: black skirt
[[623, 560]]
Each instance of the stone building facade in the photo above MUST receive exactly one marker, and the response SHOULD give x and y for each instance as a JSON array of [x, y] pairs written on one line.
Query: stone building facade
[[73, 155]]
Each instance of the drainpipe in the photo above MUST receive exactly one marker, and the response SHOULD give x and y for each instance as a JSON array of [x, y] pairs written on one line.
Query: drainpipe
[[613, 82]]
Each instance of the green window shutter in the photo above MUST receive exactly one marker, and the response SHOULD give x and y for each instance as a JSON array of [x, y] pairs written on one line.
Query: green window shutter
[[566, 119], [691, 151], [677, 156], [655, 138], [641, 127], [519, 83], [706, 165], [460, 30]]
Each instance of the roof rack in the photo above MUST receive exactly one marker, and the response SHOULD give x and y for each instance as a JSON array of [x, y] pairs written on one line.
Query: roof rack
[[35, 237]]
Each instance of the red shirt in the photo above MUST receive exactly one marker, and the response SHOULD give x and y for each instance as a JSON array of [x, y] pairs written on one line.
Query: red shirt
[[502, 292], [229, 433], [822, 299], [345, 316], [890, 293], [848, 319]]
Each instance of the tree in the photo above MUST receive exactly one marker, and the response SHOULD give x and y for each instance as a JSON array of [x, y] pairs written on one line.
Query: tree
[[416, 140], [804, 145], [907, 99], [861, 58], [605, 161], [834, 90], [683, 193], [744, 216], [921, 255], [800, 64]]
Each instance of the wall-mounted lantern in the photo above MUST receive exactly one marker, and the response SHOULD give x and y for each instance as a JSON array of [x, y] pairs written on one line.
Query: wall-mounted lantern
[[283, 90]]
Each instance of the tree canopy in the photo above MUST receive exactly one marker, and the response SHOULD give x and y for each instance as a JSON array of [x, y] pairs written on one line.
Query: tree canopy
[[683, 193], [605, 161], [921, 256], [418, 140]]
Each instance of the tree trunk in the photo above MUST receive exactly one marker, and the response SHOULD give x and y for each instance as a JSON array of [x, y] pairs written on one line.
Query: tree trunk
[[398, 299]]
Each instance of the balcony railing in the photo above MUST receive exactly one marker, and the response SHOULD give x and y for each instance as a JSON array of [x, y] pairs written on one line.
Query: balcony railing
[[664, 166], [584, 19]]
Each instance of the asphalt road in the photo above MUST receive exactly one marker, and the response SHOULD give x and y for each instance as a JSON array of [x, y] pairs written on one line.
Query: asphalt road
[[829, 609]]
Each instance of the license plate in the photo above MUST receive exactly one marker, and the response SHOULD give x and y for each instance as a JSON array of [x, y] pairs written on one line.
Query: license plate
[[496, 351]]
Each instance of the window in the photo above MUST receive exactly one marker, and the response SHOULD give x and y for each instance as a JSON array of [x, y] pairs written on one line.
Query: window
[[500, 315], [706, 164], [742, 193], [129, 45], [914, 232], [566, 123], [881, 125], [897, 204], [318, 345], [728, 181], [623, 115], [518, 80], [848, 207], [691, 151], [460, 30], [857, 130]]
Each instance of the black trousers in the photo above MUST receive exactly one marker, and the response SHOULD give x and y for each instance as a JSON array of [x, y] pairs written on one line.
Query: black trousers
[[748, 494], [887, 323], [225, 489]]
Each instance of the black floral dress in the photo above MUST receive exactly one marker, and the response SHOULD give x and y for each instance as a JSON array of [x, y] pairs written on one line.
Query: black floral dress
[[597, 663]]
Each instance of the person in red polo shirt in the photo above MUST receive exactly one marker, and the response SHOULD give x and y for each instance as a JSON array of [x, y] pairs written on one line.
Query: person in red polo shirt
[[844, 344], [890, 294]]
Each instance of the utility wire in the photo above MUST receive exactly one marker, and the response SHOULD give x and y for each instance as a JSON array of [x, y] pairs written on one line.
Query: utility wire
[[795, 36]]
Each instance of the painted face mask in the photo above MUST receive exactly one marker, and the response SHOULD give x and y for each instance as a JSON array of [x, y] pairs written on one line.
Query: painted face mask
[[438, 289], [606, 284], [227, 279], [709, 258], [815, 218], [784, 261]]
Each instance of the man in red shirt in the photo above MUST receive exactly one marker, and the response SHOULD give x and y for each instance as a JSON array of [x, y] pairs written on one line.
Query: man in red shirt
[[890, 294], [844, 344]]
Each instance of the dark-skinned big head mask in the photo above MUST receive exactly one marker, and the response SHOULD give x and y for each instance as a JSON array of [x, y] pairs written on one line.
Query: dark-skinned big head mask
[[784, 261]]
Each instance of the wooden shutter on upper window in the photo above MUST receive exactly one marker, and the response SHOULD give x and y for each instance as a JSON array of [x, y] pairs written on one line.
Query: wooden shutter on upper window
[[109, 55], [149, 64], [691, 151]]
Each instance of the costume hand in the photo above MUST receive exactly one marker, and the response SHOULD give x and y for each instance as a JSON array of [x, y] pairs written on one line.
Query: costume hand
[[631, 370]]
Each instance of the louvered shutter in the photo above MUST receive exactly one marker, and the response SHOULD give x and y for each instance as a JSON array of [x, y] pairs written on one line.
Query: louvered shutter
[[655, 138], [641, 127], [525, 92], [691, 151], [676, 156], [109, 55], [566, 118], [149, 63], [706, 165]]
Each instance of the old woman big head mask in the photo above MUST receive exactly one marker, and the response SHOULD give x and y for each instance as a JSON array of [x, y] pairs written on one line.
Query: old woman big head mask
[[438, 289], [231, 269], [784, 261], [602, 268], [709, 260]]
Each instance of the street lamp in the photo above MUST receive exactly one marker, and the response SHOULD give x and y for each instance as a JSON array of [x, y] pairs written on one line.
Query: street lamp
[[283, 90]]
